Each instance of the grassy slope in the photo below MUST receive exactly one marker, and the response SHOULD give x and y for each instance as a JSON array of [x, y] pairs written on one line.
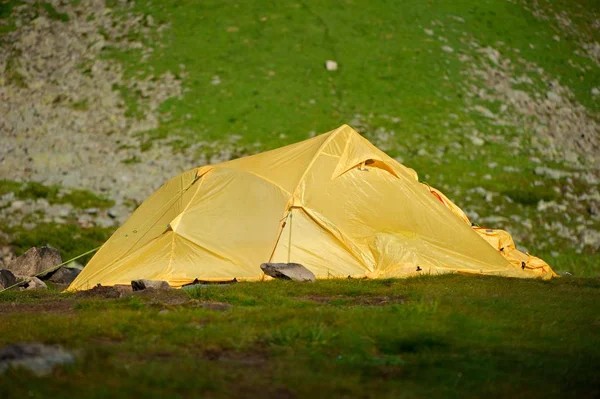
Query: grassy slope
[[448, 336], [274, 89]]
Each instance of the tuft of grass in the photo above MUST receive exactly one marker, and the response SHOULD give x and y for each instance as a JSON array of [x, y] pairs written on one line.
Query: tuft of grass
[[69, 238], [52, 12]]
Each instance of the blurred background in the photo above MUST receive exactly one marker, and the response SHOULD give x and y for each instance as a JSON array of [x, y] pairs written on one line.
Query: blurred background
[[494, 102]]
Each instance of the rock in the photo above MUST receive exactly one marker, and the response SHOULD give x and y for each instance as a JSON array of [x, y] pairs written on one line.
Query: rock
[[478, 141], [288, 271], [38, 358], [123, 289], [65, 275], [331, 65], [139, 285], [6, 279], [552, 96], [448, 49], [35, 283], [112, 213], [35, 261], [17, 205]]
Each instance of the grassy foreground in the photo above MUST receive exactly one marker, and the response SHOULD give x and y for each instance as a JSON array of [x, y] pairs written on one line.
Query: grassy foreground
[[443, 336]]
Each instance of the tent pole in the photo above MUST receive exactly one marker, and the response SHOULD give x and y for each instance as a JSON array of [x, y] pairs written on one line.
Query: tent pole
[[290, 238]]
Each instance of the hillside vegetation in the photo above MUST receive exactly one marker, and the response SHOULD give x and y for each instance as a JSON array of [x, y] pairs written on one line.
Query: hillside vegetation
[[495, 103]]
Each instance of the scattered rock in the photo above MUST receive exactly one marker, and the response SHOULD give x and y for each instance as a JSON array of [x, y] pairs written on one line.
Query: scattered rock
[[65, 275], [448, 49], [288, 271], [138, 285], [6, 279], [38, 358], [478, 141], [35, 261], [35, 283], [331, 65]]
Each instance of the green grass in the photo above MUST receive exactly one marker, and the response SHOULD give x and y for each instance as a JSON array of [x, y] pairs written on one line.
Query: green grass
[[80, 199], [69, 238], [446, 336]]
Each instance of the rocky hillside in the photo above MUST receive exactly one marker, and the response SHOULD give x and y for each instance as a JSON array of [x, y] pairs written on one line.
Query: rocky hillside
[[496, 104]]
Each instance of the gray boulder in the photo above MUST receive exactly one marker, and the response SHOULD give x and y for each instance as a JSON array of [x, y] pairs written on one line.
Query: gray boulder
[[38, 358], [65, 275], [35, 261], [139, 285], [288, 271], [6, 279]]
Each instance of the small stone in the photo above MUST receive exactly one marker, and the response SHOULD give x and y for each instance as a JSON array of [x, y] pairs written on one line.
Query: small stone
[[478, 141], [288, 271], [139, 285], [111, 213], [429, 32], [595, 91], [448, 49], [91, 211], [331, 65], [35, 283], [17, 205], [552, 96], [38, 358]]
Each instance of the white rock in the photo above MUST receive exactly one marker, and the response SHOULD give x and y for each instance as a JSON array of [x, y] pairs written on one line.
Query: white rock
[[331, 65]]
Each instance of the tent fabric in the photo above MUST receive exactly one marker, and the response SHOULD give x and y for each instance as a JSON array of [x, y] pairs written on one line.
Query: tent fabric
[[334, 203]]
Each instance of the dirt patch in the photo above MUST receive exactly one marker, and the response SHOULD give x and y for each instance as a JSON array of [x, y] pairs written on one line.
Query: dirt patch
[[44, 307], [246, 358], [356, 300], [100, 292]]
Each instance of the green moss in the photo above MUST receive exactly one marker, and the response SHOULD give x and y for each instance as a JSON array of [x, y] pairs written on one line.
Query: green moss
[[52, 12], [131, 160], [530, 197], [54, 195], [81, 105]]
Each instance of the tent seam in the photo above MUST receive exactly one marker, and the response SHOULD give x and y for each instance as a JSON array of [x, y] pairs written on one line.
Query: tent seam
[[293, 192]]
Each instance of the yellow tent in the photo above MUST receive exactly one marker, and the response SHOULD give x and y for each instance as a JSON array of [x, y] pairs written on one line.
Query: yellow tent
[[334, 203]]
